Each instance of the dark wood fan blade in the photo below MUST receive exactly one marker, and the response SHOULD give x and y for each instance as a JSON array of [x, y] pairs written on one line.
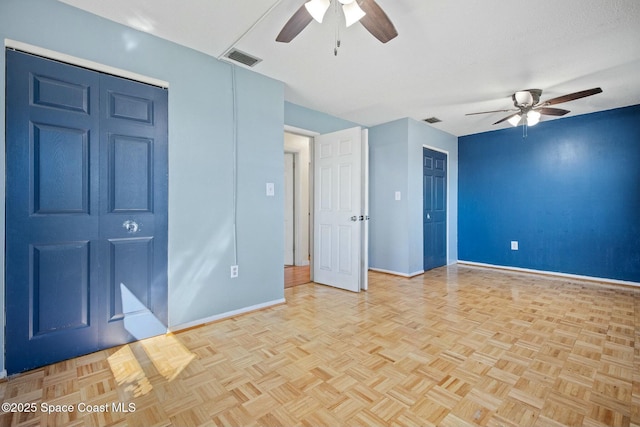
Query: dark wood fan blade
[[572, 96], [376, 21], [294, 25], [487, 112], [506, 118], [551, 111]]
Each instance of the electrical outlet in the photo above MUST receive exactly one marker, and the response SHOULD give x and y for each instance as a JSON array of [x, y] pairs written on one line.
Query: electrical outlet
[[514, 245], [234, 271]]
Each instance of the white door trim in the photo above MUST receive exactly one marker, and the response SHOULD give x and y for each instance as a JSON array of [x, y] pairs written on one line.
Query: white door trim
[[291, 231], [85, 63], [300, 131]]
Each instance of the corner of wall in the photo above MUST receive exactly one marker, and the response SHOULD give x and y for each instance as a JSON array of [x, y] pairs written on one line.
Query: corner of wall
[[389, 248]]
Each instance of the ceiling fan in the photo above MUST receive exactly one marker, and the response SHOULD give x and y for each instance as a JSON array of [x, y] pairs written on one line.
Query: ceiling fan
[[529, 108], [367, 12]]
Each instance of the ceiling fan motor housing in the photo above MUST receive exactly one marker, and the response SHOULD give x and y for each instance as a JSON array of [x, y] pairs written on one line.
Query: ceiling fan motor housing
[[526, 98]]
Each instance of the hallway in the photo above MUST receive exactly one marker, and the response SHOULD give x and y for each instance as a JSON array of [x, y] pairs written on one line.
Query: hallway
[[296, 275]]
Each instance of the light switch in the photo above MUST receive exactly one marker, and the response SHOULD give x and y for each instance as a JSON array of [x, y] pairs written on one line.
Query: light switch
[[271, 191], [398, 195], [514, 245]]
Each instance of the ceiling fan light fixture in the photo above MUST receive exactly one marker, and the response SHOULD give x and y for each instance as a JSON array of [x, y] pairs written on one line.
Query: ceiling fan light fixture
[[515, 120], [317, 8], [533, 117], [352, 12]]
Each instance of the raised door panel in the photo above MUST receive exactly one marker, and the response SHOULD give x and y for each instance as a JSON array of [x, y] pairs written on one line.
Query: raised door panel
[[130, 174], [60, 165], [60, 93], [131, 291], [345, 188], [52, 287], [345, 249], [325, 246]]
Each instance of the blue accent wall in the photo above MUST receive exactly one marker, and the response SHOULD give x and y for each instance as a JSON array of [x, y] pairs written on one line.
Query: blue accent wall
[[569, 193]]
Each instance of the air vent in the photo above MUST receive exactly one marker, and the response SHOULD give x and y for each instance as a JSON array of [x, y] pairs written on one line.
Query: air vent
[[432, 120], [242, 57]]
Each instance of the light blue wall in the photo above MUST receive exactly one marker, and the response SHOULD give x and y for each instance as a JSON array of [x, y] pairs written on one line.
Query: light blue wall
[[395, 229], [420, 135], [200, 156], [389, 225], [312, 120]]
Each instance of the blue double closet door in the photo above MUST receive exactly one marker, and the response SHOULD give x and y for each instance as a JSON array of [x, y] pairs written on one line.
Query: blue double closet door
[[86, 211]]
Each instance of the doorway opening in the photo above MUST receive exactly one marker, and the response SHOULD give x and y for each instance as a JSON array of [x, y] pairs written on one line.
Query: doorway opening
[[337, 217], [297, 200]]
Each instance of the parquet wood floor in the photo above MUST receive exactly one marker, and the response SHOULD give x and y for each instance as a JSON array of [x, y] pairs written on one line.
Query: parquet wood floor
[[455, 346], [296, 275]]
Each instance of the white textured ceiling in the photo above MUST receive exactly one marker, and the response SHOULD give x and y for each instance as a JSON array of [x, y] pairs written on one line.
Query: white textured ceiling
[[451, 57]]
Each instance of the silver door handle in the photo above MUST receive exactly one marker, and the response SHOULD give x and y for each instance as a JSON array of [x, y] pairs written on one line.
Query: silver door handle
[[354, 218], [130, 225]]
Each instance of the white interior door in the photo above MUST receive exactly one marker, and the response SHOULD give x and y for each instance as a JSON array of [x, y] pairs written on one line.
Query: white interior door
[[288, 210], [339, 226]]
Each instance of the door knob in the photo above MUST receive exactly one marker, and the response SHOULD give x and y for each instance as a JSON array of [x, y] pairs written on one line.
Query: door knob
[[354, 218], [130, 225]]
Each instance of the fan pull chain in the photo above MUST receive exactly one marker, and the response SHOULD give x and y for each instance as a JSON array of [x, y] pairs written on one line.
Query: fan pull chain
[[337, 32]]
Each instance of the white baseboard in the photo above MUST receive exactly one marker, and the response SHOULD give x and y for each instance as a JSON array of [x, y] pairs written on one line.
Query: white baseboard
[[226, 315], [550, 273], [396, 273], [3, 374]]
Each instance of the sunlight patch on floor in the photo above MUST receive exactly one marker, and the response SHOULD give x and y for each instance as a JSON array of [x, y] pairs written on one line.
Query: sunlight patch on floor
[[167, 354], [128, 373]]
